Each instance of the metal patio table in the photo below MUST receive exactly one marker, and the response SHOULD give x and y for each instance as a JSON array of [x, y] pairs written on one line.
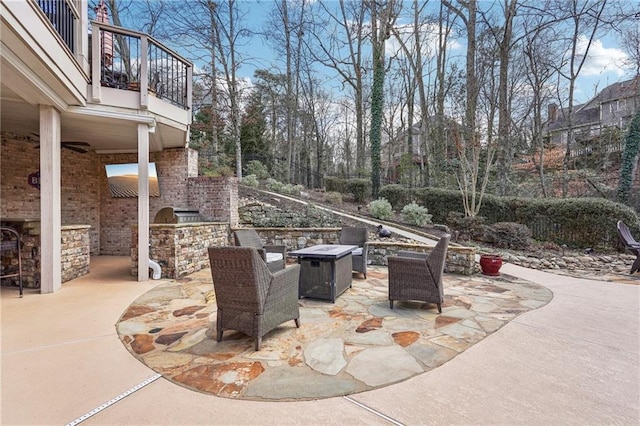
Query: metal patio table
[[325, 271]]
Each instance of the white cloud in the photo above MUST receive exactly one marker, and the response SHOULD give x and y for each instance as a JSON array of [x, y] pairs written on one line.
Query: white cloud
[[428, 37], [601, 59]]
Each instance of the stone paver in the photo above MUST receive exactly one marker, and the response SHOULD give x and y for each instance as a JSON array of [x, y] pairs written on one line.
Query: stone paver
[[355, 344]]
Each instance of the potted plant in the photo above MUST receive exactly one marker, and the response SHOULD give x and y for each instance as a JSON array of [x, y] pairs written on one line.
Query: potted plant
[[490, 264]]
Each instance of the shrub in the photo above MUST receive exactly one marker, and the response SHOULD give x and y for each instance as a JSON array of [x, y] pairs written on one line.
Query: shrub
[[469, 228], [414, 214], [281, 188], [333, 198], [291, 189], [381, 209], [274, 185], [255, 167], [508, 235], [397, 195], [360, 188], [335, 184], [251, 180]]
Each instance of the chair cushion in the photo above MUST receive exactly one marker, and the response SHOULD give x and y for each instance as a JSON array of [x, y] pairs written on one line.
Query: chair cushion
[[357, 252], [274, 257]]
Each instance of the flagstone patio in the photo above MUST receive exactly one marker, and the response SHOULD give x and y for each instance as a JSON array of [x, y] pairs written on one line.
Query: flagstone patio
[[354, 345]]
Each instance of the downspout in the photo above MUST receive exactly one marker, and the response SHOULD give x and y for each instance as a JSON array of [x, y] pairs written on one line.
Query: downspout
[[157, 271]]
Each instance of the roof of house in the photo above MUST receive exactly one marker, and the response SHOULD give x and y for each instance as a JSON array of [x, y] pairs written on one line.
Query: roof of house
[[589, 112], [620, 90]]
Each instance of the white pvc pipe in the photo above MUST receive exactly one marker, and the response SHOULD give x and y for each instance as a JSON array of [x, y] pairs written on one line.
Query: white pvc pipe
[[157, 271]]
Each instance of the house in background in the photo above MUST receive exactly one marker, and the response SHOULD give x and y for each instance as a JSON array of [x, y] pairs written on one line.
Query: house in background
[[72, 102], [613, 108], [396, 153]]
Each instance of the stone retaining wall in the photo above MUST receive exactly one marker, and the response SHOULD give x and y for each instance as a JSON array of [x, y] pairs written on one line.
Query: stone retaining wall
[[460, 260], [592, 265], [181, 249]]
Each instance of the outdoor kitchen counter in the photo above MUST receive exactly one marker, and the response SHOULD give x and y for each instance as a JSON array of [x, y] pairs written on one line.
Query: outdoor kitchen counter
[[75, 249], [180, 248]]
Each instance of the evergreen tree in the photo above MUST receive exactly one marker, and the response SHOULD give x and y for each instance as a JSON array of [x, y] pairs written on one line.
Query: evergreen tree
[[253, 130], [629, 159]]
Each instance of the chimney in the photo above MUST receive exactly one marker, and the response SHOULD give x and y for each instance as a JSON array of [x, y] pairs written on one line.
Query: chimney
[[552, 112]]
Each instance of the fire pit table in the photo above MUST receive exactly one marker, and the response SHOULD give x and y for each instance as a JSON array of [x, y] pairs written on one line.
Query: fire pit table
[[325, 271]]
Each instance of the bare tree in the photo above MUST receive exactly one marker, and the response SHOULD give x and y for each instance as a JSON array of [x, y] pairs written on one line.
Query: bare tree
[[210, 31], [503, 35], [539, 50], [285, 33], [447, 20], [582, 15], [412, 43], [227, 32], [339, 41], [469, 146]]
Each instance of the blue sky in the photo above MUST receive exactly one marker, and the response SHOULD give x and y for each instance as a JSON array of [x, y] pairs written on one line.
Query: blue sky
[[603, 67]]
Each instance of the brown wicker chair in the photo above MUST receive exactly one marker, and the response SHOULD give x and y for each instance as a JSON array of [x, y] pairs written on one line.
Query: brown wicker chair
[[418, 276], [250, 297], [275, 256], [356, 236], [630, 243]]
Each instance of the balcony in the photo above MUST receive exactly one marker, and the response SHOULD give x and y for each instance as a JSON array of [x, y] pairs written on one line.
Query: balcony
[[122, 59], [133, 61], [104, 80], [63, 16]]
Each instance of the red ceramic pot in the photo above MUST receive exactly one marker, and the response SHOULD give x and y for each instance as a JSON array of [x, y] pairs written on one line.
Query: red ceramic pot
[[490, 264]]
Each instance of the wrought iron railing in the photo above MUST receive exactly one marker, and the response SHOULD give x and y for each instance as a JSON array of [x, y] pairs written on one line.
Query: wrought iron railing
[[134, 61], [63, 17]]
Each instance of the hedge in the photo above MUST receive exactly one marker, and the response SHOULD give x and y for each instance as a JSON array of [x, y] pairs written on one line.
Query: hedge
[[576, 222]]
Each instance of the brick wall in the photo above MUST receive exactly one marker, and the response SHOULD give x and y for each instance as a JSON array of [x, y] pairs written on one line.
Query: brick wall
[[85, 195], [118, 215], [80, 191], [17, 161], [215, 197]]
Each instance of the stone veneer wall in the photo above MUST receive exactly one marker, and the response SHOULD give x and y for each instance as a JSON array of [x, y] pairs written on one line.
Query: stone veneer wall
[[75, 251], [181, 249], [460, 260]]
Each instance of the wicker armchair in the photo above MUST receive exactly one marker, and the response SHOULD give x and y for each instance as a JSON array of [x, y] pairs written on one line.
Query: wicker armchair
[[252, 299], [630, 243], [275, 256], [418, 276], [356, 236]]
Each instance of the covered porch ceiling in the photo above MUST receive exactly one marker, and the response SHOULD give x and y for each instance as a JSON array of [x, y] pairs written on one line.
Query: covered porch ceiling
[[105, 130]]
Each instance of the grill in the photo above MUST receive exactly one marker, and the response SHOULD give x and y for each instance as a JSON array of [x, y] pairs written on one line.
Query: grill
[[177, 215]]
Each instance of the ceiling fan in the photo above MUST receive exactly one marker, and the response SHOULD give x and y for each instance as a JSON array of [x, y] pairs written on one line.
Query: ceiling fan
[[70, 145]]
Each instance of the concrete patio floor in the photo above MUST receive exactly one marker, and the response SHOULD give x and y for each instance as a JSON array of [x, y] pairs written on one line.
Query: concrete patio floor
[[573, 361]]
